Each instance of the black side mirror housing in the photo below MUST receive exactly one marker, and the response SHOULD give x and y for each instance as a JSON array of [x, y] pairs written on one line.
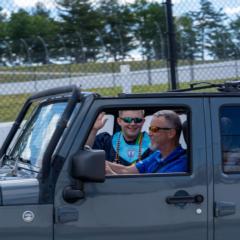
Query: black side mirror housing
[[89, 165]]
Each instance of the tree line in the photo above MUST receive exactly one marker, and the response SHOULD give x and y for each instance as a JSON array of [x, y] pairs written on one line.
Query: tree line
[[110, 30]]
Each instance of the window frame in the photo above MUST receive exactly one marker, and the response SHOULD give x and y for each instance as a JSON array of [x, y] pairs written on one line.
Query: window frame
[[180, 109], [221, 139]]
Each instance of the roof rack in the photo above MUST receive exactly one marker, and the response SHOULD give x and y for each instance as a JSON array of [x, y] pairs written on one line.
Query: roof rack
[[229, 86]]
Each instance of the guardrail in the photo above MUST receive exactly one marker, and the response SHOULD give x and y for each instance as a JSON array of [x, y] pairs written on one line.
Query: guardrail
[[126, 78]]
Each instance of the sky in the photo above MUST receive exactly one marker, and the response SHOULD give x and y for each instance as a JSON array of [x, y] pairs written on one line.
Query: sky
[[180, 6], [14, 4], [230, 7]]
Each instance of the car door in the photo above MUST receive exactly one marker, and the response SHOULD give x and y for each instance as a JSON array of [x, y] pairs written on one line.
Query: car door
[[225, 113], [22, 216], [26, 205], [135, 206]]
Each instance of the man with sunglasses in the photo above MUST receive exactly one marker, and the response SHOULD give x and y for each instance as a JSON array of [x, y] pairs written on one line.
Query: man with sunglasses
[[127, 146], [164, 132]]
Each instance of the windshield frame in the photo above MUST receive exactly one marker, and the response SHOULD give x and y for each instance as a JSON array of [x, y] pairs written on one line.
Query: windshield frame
[[18, 151], [71, 94]]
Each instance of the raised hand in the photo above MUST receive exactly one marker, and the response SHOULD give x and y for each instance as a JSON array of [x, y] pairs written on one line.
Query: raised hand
[[100, 121]]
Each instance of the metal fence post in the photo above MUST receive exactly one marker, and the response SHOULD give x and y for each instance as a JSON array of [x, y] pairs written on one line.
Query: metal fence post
[[45, 49], [27, 48], [125, 82], [172, 57]]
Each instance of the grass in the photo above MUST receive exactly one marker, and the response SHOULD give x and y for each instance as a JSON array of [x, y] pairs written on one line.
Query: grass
[[10, 106], [106, 91]]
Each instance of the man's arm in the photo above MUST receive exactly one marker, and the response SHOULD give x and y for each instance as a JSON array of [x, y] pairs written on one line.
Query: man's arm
[[114, 169], [91, 137], [100, 122]]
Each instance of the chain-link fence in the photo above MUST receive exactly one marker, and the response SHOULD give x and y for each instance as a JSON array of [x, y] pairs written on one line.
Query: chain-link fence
[[207, 39], [113, 46]]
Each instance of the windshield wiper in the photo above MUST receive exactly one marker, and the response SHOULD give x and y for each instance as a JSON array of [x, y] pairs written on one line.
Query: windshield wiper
[[16, 161], [23, 160], [5, 160]]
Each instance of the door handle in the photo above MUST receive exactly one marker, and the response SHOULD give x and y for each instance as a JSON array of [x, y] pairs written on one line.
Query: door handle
[[224, 209], [181, 198], [198, 198], [67, 214]]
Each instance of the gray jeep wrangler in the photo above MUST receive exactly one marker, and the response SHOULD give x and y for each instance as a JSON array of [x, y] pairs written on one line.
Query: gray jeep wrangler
[[52, 187]]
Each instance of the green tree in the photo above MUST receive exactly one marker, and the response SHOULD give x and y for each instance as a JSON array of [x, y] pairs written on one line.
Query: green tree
[[234, 27], [2, 15], [3, 19], [22, 24], [19, 25], [79, 16], [3, 32], [116, 33], [219, 42], [40, 10], [221, 45], [186, 38], [211, 30], [24, 30], [150, 27]]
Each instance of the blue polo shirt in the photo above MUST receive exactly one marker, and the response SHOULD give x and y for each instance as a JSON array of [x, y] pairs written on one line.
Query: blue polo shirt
[[176, 161]]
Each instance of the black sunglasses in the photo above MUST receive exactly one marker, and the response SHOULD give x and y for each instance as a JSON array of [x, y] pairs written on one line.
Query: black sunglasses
[[155, 129], [129, 120]]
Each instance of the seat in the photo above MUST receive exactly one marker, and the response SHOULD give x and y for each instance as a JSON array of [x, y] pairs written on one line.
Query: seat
[[185, 129]]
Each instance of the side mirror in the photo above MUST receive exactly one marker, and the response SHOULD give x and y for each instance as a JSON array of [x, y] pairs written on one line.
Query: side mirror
[[89, 165]]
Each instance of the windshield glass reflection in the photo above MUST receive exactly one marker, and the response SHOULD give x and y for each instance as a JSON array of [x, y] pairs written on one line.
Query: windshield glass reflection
[[35, 138]]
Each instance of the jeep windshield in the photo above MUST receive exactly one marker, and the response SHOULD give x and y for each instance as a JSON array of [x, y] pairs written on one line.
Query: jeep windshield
[[36, 134], [38, 130]]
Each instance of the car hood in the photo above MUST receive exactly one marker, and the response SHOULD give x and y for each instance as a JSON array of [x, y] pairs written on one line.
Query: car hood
[[20, 189]]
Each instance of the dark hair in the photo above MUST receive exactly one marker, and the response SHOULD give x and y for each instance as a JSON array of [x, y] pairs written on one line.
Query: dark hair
[[172, 119]]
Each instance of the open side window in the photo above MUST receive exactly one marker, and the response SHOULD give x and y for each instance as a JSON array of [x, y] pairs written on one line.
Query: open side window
[[112, 129]]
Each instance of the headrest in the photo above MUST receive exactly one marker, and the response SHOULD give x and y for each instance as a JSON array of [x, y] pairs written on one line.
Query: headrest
[[185, 129]]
